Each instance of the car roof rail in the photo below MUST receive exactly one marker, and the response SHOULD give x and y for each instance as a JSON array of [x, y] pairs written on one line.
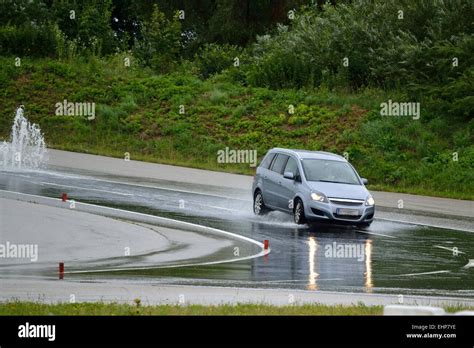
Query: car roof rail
[[297, 152]]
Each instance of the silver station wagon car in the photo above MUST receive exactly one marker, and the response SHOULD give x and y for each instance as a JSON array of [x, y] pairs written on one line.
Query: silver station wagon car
[[313, 186]]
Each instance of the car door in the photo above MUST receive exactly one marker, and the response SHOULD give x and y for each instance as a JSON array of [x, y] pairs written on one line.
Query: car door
[[263, 173], [288, 187], [273, 181]]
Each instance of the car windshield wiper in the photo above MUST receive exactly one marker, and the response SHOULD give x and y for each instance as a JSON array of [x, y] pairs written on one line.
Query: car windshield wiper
[[336, 182]]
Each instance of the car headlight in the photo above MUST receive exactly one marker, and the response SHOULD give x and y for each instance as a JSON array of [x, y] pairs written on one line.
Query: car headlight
[[369, 201], [318, 196]]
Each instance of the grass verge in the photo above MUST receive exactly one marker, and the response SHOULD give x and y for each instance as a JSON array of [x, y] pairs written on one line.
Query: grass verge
[[35, 308]]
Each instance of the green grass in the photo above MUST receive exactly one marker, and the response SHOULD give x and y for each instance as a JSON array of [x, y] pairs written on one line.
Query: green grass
[[36, 308], [31, 308], [139, 112]]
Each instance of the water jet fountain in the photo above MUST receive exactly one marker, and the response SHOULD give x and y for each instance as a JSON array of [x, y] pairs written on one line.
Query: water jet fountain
[[26, 148]]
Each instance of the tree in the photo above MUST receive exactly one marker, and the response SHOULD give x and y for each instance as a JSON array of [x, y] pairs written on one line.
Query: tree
[[160, 41]]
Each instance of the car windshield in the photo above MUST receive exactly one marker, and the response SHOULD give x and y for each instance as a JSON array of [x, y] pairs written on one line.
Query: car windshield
[[329, 171]]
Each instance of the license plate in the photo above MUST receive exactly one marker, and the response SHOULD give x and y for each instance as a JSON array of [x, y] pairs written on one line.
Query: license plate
[[351, 212]]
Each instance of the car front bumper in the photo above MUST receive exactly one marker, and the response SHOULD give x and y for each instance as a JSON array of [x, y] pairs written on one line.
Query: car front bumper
[[318, 211]]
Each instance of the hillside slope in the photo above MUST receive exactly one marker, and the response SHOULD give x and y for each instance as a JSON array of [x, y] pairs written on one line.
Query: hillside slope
[[180, 119]]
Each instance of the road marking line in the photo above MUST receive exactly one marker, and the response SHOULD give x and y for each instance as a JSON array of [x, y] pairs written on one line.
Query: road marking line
[[423, 273], [294, 280], [377, 234], [470, 264], [452, 228], [453, 250], [216, 207]]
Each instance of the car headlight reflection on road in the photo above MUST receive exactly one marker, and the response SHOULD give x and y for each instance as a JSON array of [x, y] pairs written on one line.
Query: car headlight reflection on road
[[370, 201], [318, 196]]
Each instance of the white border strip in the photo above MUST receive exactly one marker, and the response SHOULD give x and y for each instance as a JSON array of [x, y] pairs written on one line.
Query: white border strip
[[140, 217]]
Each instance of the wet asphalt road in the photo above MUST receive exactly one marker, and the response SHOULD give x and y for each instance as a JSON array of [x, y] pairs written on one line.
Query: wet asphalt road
[[388, 257]]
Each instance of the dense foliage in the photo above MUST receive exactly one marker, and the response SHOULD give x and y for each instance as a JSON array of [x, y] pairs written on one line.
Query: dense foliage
[[422, 46]]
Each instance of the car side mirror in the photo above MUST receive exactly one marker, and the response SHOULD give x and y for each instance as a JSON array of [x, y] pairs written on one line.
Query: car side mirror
[[289, 175], [365, 181]]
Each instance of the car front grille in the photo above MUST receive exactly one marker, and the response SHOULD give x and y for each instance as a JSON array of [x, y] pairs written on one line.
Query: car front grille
[[345, 201]]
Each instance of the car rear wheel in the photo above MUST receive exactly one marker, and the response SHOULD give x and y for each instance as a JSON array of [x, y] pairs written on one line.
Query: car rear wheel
[[259, 207], [298, 213]]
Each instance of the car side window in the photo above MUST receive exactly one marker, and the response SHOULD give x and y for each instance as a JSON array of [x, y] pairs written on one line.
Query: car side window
[[292, 166], [279, 163], [267, 161]]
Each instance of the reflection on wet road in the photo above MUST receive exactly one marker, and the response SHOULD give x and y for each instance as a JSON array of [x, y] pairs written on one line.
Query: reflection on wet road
[[388, 257]]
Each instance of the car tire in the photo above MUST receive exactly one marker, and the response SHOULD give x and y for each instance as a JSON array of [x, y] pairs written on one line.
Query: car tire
[[298, 213], [259, 207]]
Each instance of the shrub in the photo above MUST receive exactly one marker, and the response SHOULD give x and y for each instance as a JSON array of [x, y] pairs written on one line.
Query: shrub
[[27, 40], [379, 47], [216, 96], [213, 58]]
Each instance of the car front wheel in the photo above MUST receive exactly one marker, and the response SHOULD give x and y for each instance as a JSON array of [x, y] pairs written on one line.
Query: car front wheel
[[298, 213], [259, 207]]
